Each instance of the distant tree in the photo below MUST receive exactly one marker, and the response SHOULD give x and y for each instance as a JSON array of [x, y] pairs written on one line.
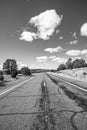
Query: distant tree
[[14, 73], [1, 76], [69, 63], [25, 71], [78, 63], [9, 65], [61, 67]]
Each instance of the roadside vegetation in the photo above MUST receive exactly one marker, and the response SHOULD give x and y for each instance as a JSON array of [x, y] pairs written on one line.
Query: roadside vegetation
[[10, 68], [25, 71], [72, 64]]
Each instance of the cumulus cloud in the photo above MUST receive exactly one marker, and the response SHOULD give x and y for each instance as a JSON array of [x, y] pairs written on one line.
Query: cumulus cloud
[[75, 42], [76, 52], [46, 24], [41, 58], [52, 50], [27, 36], [73, 52], [83, 30], [84, 52]]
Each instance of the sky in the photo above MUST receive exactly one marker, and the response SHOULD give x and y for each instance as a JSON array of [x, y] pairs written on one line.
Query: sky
[[42, 33]]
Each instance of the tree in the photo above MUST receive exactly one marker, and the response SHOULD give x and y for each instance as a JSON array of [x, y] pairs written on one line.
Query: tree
[[1, 76], [69, 63], [9, 65], [25, 71], [78, 63], [61, 67], [14, 73]]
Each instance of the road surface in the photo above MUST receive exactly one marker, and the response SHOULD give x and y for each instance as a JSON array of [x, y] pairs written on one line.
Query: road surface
[[44, 102]]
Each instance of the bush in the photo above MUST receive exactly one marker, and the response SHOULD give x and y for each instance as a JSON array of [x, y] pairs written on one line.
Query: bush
[[25, 71], [61, 67]]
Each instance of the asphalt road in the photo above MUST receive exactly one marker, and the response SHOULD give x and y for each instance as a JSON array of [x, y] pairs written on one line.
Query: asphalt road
[[44, 103]]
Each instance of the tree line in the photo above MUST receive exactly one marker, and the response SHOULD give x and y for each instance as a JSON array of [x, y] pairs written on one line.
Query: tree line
[[71, 64], [10, 68]]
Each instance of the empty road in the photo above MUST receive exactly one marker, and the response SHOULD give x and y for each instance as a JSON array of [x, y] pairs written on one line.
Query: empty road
[[43, 102]]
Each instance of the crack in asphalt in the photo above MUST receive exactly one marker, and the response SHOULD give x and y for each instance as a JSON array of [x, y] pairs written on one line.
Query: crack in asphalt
[[44, 120]]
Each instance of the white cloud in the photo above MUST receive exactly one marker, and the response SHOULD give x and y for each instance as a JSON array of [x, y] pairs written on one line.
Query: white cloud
[[46, 24], [41, 58], [73, 52], [75, 42], [60, 38], [27, 36], [56, 59], [83, 30], [52, 50], [60, 60], [52, 57], [74, 36], [76, 52], [84, 52]]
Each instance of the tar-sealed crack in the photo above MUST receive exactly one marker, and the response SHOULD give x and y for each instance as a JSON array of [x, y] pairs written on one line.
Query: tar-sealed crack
[[45, 119]]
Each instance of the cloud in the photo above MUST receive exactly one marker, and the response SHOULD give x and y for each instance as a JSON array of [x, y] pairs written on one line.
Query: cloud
[[74, 36], [84, 52], [27, 36], [41, 58], [60, 60], [83, 30], [52, 50], [76, 52], [75, 42], [60, 38], [73, 52], [52, 57], [46, 24]]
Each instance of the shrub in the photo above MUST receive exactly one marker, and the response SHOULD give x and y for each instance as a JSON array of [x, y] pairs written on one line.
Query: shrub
[[25, 71]]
